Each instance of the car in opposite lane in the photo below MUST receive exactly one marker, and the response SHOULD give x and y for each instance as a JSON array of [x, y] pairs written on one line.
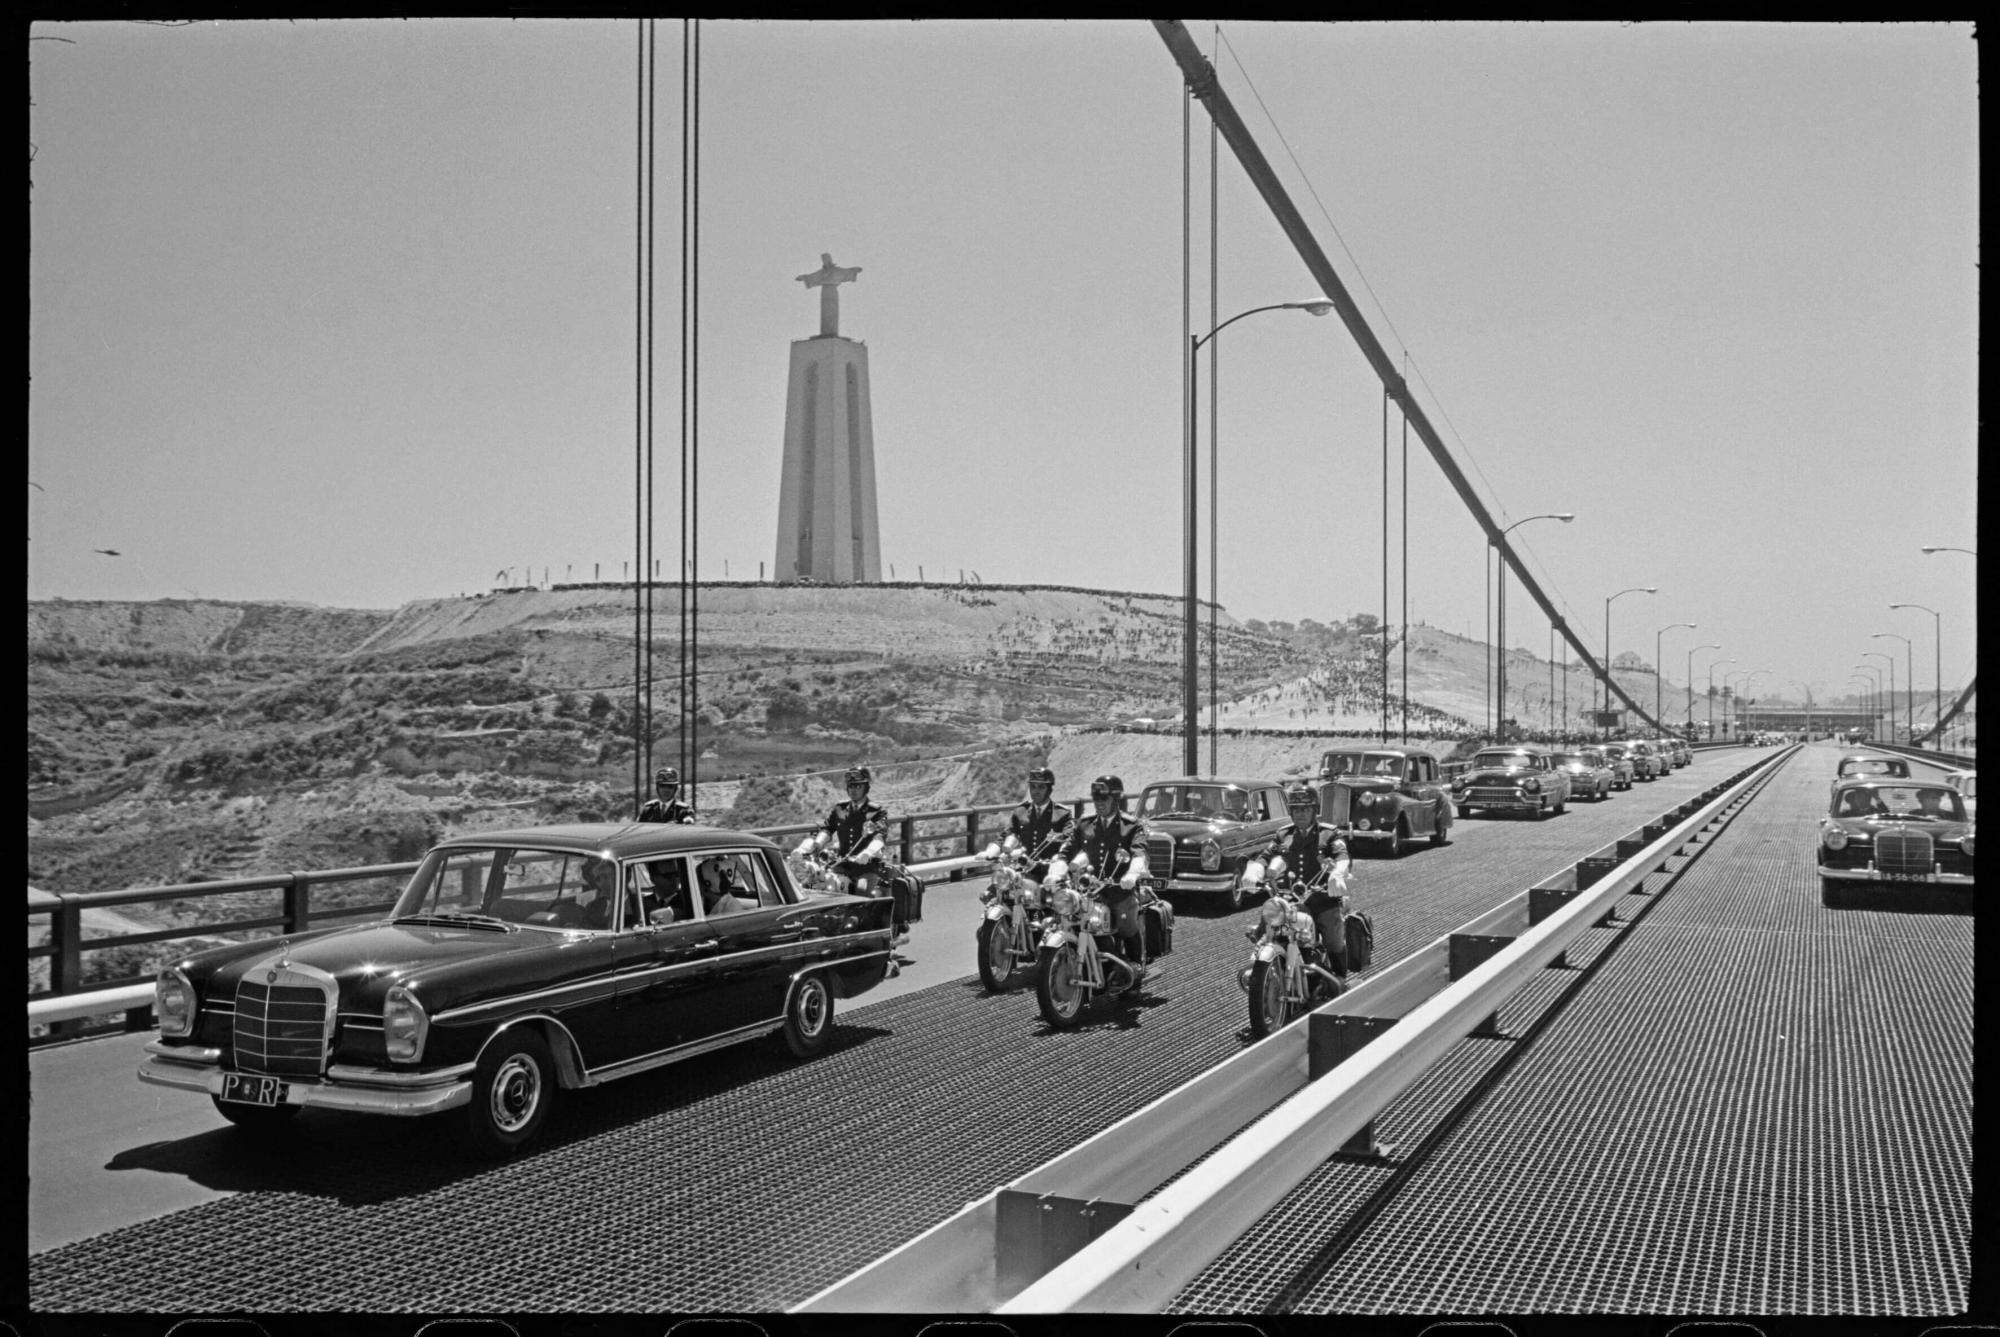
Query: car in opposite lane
[[1894, 830]]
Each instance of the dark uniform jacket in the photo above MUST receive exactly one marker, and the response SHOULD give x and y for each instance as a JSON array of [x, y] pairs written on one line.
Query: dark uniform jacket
[[853, 826], [1307, 855], [652, 810], [1040, 831], [1110, 843]]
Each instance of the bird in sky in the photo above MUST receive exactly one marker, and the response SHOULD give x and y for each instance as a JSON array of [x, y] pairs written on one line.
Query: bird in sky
[[108, 552]]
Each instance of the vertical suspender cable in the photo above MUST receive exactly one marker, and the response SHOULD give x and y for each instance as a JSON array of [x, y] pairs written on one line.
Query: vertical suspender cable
[[694, 421], [1214, 445], [638, 404], [1190, 727], [681, 566], [651, 573], [1384, 628], [1406, 571]]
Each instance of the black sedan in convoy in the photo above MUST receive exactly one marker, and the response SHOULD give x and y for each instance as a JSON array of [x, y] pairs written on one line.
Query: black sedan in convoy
[[514, 963], [1385, 796], [1200, 831]]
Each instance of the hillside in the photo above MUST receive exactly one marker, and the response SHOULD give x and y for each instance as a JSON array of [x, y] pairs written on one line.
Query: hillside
[[188, 740]]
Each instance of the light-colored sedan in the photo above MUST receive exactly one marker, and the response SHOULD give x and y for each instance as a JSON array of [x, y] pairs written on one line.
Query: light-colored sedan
[[1590, 773], [1645, 762]]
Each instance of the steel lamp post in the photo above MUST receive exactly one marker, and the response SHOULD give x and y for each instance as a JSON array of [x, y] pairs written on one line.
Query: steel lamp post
[[1636, 589], [1500, 609], [1937, 667], [1909, 685], [1658, 674], [1874, 692], [1890, 660], [1711, 691], [1190, 678], [1690, 679]]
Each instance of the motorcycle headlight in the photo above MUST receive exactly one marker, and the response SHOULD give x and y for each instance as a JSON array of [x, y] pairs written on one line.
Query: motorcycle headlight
[[1099, 919], [174, 1005], [1211, 857], [1004, 880], [1065, 900], [1835, 838], [403, 1025], [1273, 914]]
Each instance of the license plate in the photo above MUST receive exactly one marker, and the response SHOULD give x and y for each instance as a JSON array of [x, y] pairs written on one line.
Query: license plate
[[248, 1090], [1906, 877]]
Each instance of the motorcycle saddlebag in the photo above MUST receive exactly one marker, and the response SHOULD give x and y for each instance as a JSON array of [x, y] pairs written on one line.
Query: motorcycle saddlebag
[[1159, 922], [910, 891], [1360, 940]]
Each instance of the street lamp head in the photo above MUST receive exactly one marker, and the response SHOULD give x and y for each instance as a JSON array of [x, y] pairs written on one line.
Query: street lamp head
[[1319, 307], [1564, 516]]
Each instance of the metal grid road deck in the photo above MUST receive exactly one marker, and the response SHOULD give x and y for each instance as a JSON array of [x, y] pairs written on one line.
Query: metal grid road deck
[[742, 1181], [1755, 1106]]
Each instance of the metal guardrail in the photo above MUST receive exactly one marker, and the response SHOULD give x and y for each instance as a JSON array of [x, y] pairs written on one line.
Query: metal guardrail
[[67, 1002], [1080, 1232]]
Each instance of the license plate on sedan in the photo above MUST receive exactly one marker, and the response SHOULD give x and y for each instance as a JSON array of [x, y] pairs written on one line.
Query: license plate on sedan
[[248, 1090], [1906, 877]]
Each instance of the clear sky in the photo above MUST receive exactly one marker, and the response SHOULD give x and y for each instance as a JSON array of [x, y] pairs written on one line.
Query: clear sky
[[343, 312]]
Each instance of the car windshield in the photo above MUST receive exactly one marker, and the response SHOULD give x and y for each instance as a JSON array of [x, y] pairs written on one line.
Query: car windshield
[[1873, 766], [1909, 803], [1520, 761], [1573, 760], [553, 889], [1592, 757], [1194, 801], [1361, 763]]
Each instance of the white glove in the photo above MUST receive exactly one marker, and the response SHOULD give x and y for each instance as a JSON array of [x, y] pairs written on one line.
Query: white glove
[[1130, 880]]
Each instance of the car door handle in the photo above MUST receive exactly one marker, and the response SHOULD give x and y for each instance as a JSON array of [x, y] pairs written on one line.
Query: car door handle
[[705, 945]]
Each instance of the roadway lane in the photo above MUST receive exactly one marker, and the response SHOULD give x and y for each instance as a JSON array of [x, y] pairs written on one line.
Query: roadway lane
[[1755, 1105], [754, 1181]]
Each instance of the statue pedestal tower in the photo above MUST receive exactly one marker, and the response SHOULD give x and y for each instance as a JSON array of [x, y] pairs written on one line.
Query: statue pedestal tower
[[827, 528]]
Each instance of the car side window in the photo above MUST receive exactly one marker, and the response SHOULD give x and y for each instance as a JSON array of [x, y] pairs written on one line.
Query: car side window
[[757, 875], [726, 885], [664, 892]]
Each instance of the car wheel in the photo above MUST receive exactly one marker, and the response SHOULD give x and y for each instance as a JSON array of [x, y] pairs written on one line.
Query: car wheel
[[996, 954], [1268, 1009], [512, 1089], [1440, 824], [809, 1016], [1399, 843], [1057, 992], [263, 1119], [1239, 894]]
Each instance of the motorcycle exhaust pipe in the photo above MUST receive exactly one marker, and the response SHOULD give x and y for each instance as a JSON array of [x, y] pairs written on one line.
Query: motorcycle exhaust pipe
[[1132, 972], [1326, 975]]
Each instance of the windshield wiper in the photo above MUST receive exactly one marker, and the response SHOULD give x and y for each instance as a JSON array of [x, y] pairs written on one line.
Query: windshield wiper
[[453, 917]]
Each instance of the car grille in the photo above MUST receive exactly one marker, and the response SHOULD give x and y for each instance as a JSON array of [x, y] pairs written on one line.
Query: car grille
[[1904, 852], [1479, 794], [1159, 855], [284, 1020]]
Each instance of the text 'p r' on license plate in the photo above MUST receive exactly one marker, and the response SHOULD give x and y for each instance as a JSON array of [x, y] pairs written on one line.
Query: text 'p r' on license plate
[[248, 1090]]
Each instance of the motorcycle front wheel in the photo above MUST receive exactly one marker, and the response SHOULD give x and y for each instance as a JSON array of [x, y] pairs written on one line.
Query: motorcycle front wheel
[[1268, 1008], [996, 954], [1057, 991]]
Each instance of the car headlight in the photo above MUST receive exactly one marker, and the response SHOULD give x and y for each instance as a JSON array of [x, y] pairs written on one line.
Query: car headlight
[[1273, 914], [1532, 785], [1965, 843], [1211, 856], [1099, 918], [1835, 838], [1367, 799], [403, 1025], [174, 1003]]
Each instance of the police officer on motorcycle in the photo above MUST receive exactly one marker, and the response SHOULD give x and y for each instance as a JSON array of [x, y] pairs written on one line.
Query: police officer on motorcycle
[[664, 806], [859, 831], [1040, 825], [1114, 846], [1310, 847]]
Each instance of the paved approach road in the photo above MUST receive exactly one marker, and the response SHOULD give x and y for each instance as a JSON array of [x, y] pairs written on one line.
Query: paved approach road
[[736, 1182]]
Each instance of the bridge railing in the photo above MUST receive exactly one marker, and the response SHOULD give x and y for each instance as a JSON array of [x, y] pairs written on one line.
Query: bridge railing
[[1123, 1221], [79, 984]]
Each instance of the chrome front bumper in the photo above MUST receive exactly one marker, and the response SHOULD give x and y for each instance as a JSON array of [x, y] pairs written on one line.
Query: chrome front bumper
[[363, 1090], [1198, 882], [1930, 879], [1500, 798]]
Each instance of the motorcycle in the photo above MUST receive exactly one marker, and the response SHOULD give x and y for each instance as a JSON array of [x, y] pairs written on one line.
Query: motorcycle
[[811, 866], [1016, 910], [1288, 974], [1078, 958]]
